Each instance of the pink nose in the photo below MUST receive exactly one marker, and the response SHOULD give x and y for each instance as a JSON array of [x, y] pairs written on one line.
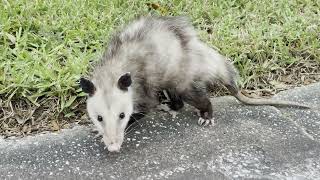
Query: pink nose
[[114, 148]]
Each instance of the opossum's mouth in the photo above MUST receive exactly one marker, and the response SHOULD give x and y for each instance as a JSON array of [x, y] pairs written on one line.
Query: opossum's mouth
[[112, 147]]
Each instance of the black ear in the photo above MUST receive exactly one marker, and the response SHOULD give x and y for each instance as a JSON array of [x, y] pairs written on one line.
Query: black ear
[[124, 81], [87, 86]]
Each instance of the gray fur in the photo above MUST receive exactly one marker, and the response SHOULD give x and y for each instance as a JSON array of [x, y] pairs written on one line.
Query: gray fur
[[164, 53], [152, 68]]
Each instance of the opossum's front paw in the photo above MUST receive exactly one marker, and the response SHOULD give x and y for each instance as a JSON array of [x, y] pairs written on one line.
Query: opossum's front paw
[[164, 107], [96, 131], [173, 113], [205, 122], [98, 135]]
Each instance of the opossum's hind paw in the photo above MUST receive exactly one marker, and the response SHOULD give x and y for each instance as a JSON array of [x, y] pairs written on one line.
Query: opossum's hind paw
[[205, 122], [197, 112]]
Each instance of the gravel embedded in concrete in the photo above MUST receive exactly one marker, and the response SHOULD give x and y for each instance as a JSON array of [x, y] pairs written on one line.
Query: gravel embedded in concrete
[[246, 142]]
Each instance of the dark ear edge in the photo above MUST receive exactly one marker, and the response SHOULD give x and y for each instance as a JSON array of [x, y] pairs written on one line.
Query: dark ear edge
[[125, 81], [87, 86]]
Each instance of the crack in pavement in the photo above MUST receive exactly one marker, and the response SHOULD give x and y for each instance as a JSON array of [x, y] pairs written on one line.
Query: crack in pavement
[[303, 130]]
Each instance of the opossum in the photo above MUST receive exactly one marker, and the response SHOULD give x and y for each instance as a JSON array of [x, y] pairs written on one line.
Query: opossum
[[147, 56]]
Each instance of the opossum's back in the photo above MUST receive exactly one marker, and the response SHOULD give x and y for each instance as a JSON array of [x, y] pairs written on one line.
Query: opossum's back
[[153, 47], [145, 27], [164, 40]]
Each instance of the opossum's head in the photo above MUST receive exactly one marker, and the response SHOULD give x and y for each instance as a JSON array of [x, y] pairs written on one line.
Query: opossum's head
[[110, 109]]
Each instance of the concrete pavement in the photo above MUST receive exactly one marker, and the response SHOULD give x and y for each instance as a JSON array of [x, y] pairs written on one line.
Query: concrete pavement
[[247, 142]]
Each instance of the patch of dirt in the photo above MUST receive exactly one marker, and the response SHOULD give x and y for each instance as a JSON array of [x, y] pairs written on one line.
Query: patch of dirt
[[21, 117], [294, 75], [269, 84]]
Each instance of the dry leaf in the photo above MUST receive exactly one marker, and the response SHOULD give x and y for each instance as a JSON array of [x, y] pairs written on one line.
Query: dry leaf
[[278, 85], [287, 79], [164, 10], [55, 126], [308, 81], [154, 6], [26, 129], [66, 126]]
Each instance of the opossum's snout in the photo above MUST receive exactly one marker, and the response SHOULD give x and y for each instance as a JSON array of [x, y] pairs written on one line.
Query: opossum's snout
[[114, 147], [113, 144], [110, 110]]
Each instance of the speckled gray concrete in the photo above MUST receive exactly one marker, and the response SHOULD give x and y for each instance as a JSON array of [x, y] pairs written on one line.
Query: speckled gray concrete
[[247, 142]]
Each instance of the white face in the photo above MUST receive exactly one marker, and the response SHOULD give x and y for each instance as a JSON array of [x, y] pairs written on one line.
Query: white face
[[110, 112]]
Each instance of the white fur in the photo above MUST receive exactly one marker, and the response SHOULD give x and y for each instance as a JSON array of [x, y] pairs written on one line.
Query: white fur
[[109, 106]]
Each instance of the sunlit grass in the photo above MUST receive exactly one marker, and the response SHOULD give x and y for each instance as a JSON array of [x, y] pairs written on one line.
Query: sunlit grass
[[45, 46]]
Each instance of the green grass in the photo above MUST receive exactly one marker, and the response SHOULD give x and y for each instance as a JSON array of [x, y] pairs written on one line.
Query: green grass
[[45, 46]]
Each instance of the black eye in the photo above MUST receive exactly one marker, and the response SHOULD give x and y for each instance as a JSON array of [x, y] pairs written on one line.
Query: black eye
[[100, 118], [121, 115]]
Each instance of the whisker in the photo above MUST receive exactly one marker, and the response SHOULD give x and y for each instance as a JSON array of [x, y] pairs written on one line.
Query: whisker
[[136, 122], [131, 130], [127, 128], [134, 126], [145, 114]]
